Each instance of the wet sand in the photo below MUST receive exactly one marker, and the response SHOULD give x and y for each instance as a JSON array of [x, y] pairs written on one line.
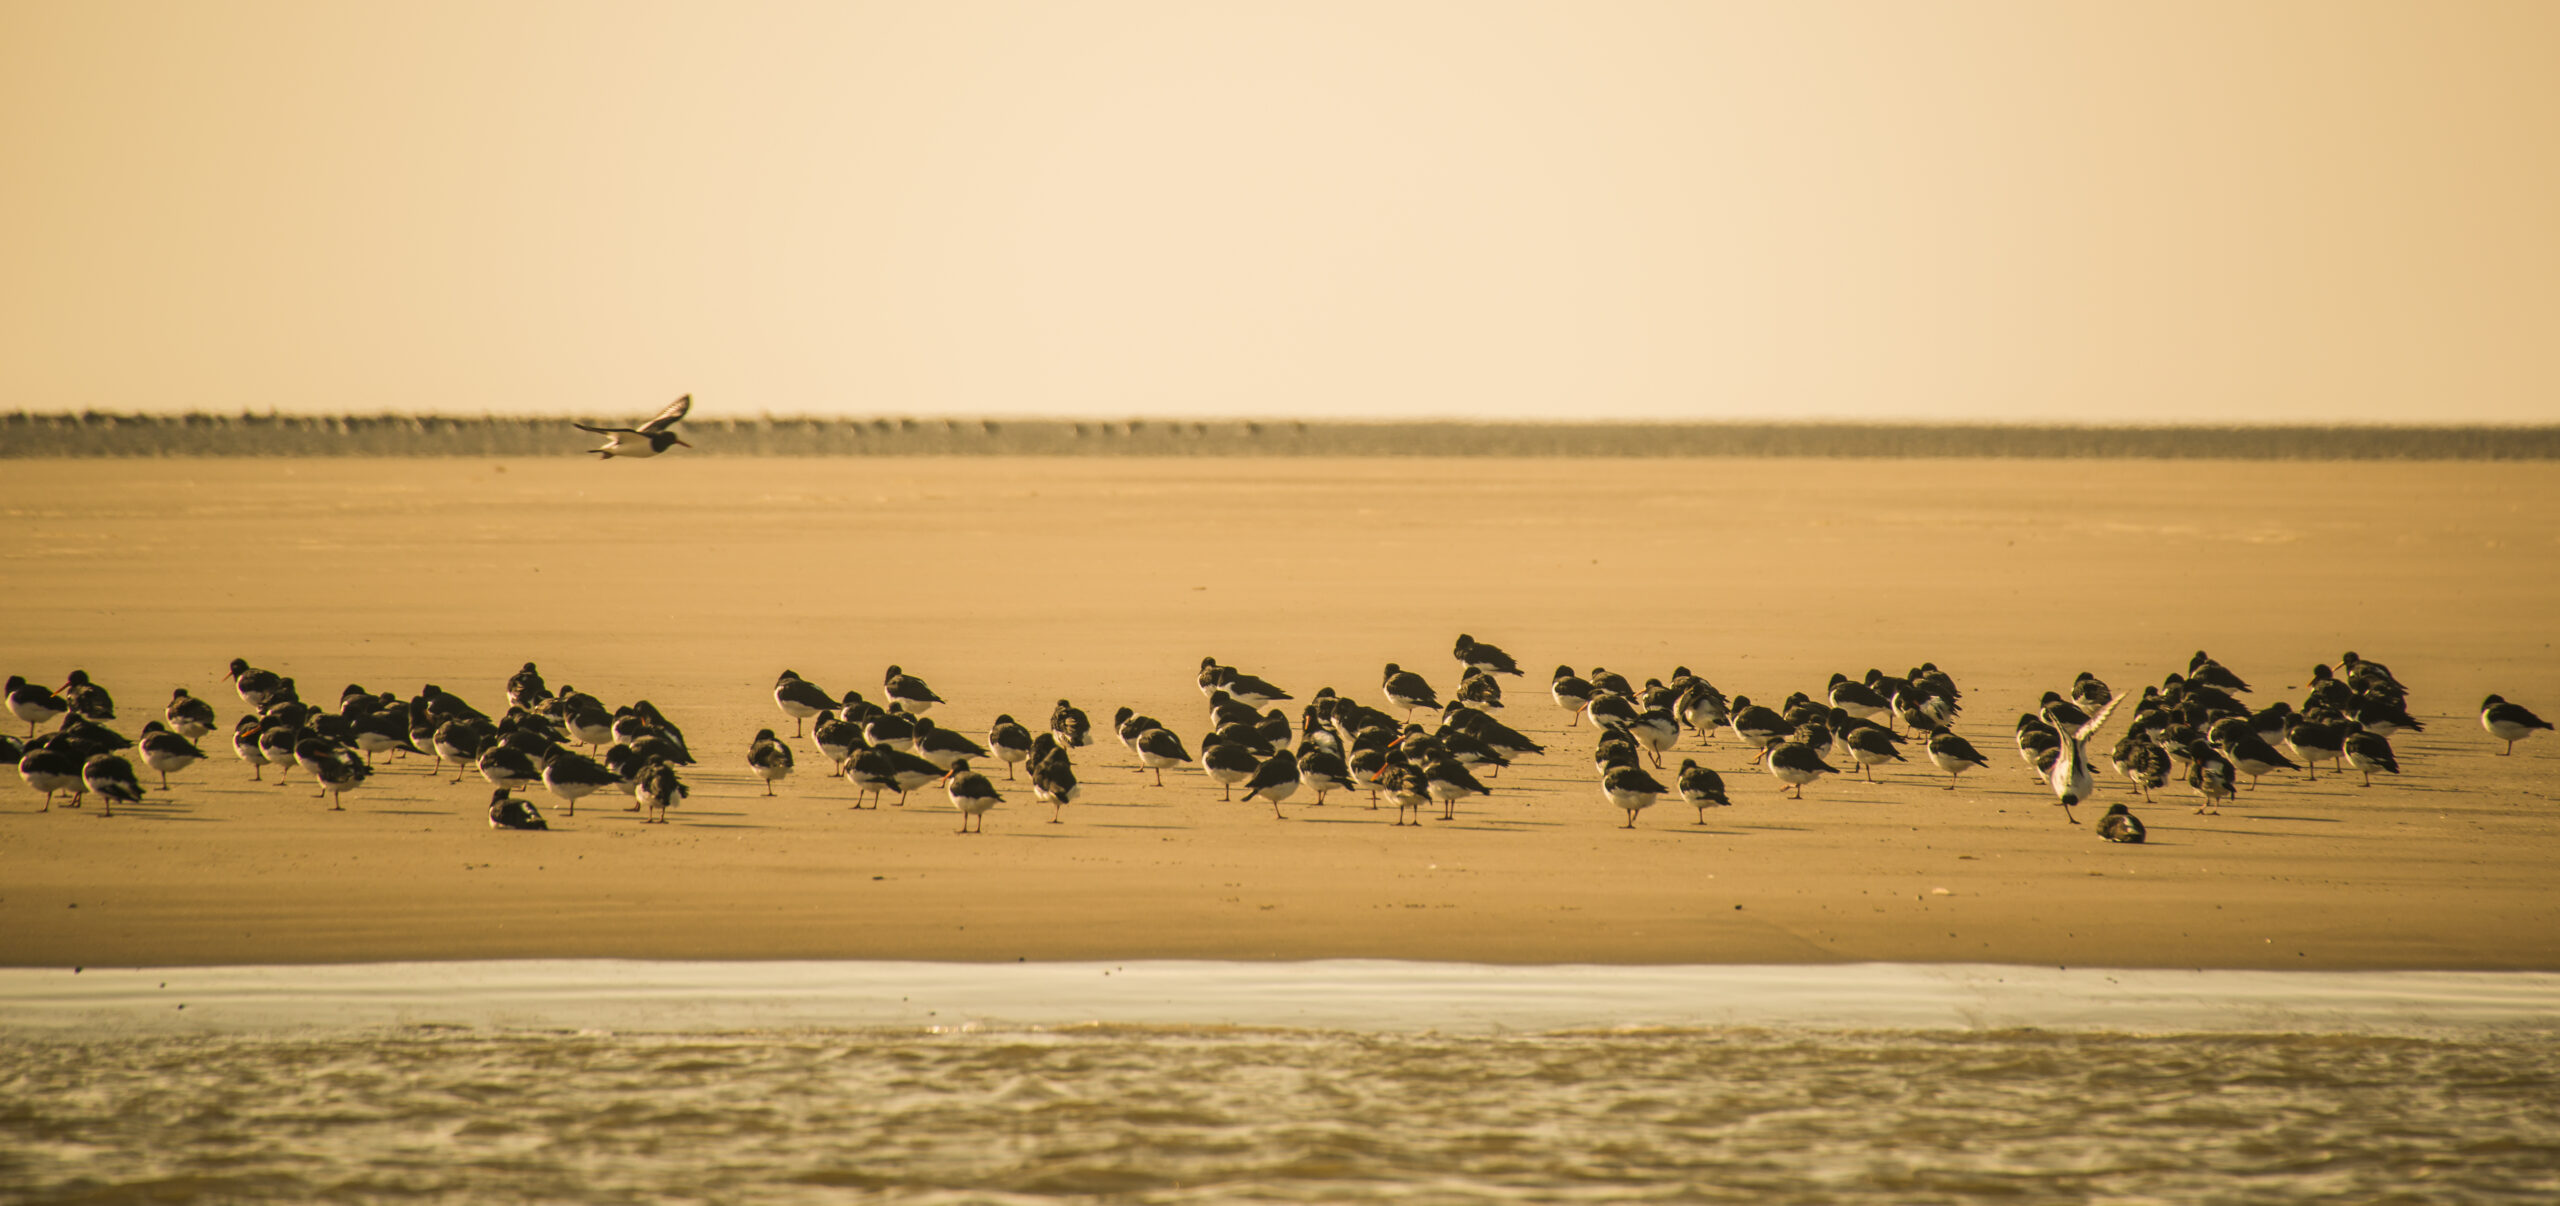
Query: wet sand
[[1008, 583]]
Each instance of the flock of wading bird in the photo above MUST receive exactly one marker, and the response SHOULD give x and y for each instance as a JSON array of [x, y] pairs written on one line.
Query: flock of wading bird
[[2193, 728]]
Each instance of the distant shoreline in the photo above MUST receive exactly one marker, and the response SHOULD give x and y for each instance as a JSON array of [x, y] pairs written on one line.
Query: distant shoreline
[[25, 434]]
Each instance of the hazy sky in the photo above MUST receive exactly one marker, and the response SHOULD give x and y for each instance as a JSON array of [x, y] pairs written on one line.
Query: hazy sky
[[2046, 209]]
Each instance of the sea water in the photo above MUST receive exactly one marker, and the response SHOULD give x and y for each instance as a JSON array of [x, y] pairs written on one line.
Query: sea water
[[106, 1097]]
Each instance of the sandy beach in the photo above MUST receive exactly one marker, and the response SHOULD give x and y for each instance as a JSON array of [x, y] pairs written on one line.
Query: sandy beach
[[1007, 584]]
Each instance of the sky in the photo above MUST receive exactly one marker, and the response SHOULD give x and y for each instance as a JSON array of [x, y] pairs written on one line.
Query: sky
[[2041, 210]]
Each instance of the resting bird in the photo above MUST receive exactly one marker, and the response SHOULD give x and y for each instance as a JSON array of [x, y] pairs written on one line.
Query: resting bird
[[508, 812], [2120, 825], [2505, 721], [1701, 788], [648, 439]]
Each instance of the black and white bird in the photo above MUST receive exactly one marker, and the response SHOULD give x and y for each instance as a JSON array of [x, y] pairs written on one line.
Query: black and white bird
[[971, 793], [876, 769], [1275, 780], [2211, 775], [1857, 698], [573, 776], [1479, 688], [769, 758], [51, 770], [907, 691], [1070, 725], [1408, 788], [87, 698], [164, 752], [2505, 721], [1871, 747], [942, 747], [1756, 726], [1700, 788], [336, 768], [2370, 752], [1159, 748], [1009, 742], [659, 790], [1323, 771], [1476, 655], [253, 684], [1407, 690], [1446, 780], [2233, 738], [188, 716], [1631, 789], [1227, 764], [1655, 730], [1053, 777], [525, 688], [1954, 755], [33, 704], [1570, 691], [508, 812], [110, 778], [835, 738], [2089, 691], [2070, 778], [2316, 742], [800, 699], [1795, 764], [648, 439], [2120, 825], [2142, 763]]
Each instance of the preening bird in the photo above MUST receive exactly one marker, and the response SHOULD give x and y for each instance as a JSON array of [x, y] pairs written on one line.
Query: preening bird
[[648, 439]]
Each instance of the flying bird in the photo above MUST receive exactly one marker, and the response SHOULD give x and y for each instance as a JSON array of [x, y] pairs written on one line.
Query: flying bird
[[648, 439]]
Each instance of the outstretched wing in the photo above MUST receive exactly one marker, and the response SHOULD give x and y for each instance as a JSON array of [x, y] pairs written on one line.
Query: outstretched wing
[[2098, 721], [602, 430], [667, 418]]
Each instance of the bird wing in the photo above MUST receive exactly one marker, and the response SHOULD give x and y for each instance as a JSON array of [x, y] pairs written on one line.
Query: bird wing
[[605, 430], [667, 418], [2098, 721]]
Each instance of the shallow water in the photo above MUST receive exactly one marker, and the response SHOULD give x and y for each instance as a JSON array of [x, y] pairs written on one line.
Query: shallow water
[[1194, 1114]]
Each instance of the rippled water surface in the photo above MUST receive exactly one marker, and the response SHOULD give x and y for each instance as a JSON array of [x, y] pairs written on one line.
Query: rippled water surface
[[1208, 1115]]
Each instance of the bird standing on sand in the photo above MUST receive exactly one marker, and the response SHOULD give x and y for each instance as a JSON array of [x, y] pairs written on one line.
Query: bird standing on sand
[[907, 691], [336, 768], [573, 776], [2370, 752], [1795, 764], [88, 698], [1275, 780], [1158, 749], [1053, 776], [1570, 691], [659, 790], [164, 751], [1009, 741], [768, 758], [111, 778], [800, 699], [1629, 788], [1954, 755], [33, 704], [2505, 721], [971, 793], [190, 717], [1070, 725], [51, 770], [1700, 788], [1476, 655], [1228, 764], [1407, 690], [648, 439]]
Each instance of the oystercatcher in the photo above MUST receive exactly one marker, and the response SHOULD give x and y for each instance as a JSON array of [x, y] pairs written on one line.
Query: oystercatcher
[[768, 758], [190, 717], [2509, 722], [337, 769], [1476, 655], [508, 812], [1954, 755], [907, 691], [1275, 780], [1070, 725], [33, 704], [2120, 825], [525, 688], [1228, 764], [88, 698], [971, 793], [573, 776], [659, 790], [943, 747], [1631, 789], [164, 751], [1700, 788], [648, 439], [2369, 752], [110, 777], [800, 699], [1570, 691], [1159, 748], [51, 770], [1407, 690], [1794, 764]]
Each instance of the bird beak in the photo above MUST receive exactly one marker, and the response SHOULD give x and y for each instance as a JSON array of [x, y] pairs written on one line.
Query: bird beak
[[680, 442]]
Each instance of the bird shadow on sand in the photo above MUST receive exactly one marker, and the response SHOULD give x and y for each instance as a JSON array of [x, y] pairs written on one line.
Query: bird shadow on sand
[[2305, 820]]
